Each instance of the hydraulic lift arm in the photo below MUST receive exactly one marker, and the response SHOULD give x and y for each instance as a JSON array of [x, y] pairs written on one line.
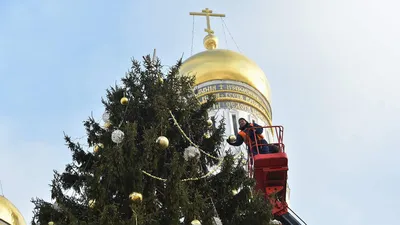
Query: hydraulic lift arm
[[289, 219]]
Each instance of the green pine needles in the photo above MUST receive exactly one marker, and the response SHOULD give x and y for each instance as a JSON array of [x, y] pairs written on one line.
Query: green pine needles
[[175, 187]]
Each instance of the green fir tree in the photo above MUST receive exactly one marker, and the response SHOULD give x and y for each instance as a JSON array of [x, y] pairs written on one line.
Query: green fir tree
[[135, 180]]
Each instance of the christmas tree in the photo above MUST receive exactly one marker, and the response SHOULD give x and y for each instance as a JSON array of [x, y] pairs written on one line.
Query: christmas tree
[[155, 159]]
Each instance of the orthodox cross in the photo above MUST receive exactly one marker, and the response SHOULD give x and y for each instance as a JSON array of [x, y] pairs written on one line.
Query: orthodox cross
[[207, 13]]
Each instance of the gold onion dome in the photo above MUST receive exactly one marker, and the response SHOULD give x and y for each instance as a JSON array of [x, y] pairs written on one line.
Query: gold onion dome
[[223, 64], [9, 213]]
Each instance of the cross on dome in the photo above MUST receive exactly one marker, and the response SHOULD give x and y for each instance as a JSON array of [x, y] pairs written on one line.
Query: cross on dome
[[207, 13]]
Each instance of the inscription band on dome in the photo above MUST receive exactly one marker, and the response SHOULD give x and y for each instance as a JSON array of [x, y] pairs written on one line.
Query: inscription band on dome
[[233, 88], [236, 93]]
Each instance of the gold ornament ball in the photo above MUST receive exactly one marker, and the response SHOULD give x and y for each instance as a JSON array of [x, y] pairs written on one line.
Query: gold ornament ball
[[232, 138], [206, 135], [136, 196], [234, 192], [124, 100], [107, 125], [51, 223], [209, 122], [195, 222], [162, 142], [161, 80], [97, 147], [92, 203]]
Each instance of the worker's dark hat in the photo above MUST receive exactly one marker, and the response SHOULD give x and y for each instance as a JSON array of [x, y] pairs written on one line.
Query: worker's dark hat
[[242, 119]]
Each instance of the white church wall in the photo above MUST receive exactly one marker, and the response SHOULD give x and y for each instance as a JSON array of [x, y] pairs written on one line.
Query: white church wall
[[240, 101]]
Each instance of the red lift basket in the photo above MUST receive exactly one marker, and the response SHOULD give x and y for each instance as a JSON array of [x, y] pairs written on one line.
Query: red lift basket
[[270, 170]]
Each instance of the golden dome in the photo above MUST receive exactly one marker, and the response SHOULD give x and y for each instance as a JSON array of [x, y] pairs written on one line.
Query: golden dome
[[222, 64], [9, 213]]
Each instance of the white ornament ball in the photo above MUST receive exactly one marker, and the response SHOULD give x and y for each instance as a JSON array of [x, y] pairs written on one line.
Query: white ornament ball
[[117, 136], [163, 142], [191, 152], [232, 138], [106, 117], [275, 222]]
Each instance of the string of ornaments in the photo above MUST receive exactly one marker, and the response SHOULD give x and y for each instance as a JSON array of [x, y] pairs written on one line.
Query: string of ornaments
[[192, 151]]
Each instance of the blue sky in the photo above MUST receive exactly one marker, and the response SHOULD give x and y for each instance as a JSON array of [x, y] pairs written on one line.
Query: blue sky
[[333, 68]]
